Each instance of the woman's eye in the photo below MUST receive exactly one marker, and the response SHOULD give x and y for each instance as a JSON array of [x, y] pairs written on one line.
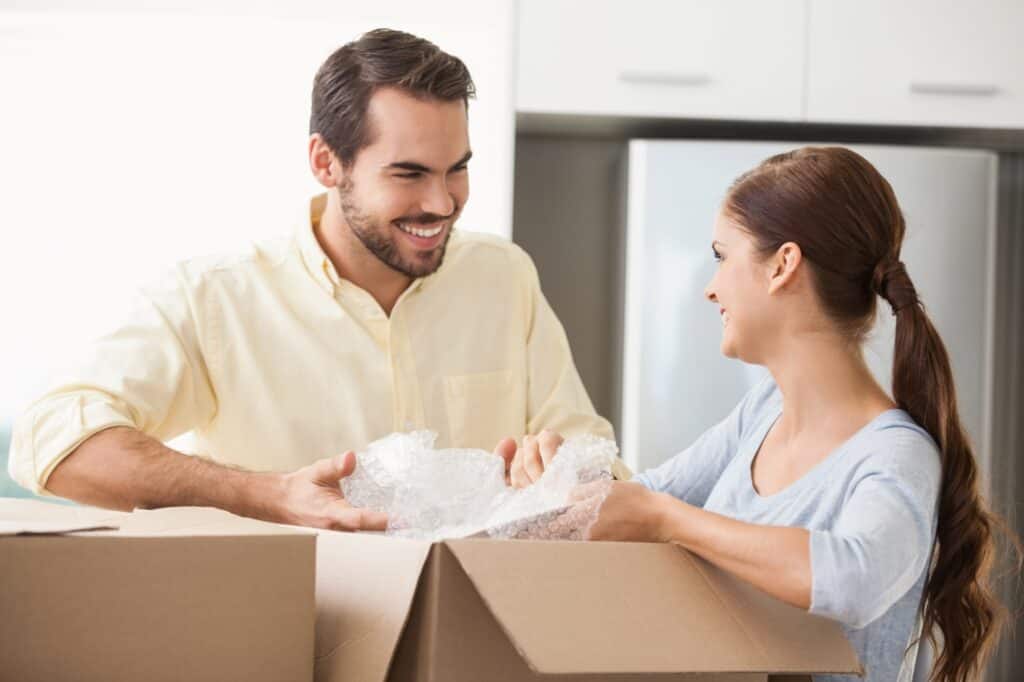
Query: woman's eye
[[408, 175]]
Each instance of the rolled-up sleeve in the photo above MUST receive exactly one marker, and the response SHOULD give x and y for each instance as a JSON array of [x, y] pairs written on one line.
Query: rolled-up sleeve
[[149, 374], [881, 541]]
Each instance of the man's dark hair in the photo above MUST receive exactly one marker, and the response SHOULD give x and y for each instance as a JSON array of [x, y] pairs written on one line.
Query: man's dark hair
[[382, 57]]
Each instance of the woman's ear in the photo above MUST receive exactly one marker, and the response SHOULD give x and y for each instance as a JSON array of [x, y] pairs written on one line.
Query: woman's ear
[[783, 266], [323, 163]]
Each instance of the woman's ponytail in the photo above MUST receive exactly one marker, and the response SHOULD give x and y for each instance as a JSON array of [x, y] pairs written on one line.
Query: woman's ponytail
[[958, 599]]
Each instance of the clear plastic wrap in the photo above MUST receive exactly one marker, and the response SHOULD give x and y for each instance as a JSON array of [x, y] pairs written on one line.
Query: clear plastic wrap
[[435, 494]]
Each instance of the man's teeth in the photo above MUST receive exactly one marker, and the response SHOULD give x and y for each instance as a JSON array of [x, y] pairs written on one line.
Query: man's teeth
[[432, 232]]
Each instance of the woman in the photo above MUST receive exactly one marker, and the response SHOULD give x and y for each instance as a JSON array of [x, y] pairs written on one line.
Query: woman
[[819, 488]]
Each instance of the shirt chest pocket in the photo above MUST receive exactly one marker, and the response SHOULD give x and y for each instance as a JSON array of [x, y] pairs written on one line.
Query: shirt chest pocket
[[484, 408]]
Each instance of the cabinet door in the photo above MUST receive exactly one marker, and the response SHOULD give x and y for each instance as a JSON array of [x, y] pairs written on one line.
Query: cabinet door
[[738, 59], [917, 62]]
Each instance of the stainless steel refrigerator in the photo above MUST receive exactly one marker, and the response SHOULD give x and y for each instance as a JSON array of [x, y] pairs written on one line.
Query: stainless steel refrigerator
[[675, 382]]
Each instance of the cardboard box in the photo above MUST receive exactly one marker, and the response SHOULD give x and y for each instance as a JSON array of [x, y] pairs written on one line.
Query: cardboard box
[[177, 594], [507, 611], [199, 594]]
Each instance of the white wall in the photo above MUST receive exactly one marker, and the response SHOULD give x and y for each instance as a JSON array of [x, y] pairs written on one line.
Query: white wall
[[133, 134]]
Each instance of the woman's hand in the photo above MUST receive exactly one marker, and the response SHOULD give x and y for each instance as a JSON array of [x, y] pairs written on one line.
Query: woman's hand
[[776, 559], [625, 511]]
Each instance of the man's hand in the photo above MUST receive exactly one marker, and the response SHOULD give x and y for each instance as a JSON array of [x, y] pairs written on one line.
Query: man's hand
[[526, 464], [312, 497]]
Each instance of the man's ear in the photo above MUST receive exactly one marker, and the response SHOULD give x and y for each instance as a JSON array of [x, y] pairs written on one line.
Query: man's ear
[[784, 265], [326, 167]]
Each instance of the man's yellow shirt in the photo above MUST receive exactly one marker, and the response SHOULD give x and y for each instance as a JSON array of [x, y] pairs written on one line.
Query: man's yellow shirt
[[272, 361]]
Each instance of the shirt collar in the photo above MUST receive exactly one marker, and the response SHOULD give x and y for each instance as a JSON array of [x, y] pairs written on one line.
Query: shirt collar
[[316, 261]]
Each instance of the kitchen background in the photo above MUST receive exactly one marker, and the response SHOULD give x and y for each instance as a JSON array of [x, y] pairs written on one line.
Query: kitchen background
[[136, 133]]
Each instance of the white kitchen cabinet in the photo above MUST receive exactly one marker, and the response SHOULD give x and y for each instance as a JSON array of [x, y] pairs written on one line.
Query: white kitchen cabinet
[[730, 59], [916, 62]]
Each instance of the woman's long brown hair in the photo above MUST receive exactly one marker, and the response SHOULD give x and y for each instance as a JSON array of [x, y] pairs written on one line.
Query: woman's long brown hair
[[844, 216]]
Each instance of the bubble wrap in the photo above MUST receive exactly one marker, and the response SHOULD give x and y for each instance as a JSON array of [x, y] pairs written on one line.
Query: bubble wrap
[[436, 494]]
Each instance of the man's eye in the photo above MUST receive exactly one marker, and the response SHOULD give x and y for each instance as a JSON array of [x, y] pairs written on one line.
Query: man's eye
[[413, 174], [459, 169]]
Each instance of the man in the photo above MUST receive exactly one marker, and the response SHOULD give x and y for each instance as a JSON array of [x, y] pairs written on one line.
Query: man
[[374, 317]]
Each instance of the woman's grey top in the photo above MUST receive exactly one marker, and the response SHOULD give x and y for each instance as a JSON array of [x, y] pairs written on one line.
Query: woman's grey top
[[870, 507]]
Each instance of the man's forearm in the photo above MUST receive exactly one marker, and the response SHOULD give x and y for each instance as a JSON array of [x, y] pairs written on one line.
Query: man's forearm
[[123, 468]]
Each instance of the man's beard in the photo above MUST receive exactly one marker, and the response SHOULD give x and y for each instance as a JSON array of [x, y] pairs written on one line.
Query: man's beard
[[379, 241]]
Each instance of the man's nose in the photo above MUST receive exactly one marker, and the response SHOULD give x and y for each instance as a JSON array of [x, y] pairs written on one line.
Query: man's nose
[[438, 199]]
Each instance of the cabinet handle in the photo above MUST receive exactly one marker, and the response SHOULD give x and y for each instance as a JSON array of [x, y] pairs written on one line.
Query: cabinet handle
[[966, 89], [665, 78]]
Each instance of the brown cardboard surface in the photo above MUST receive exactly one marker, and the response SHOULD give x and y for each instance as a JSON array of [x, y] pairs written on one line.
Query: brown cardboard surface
[[453, 636], [667, 611], [509, 611], [364, 590], [168, 605], [795, 641]]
